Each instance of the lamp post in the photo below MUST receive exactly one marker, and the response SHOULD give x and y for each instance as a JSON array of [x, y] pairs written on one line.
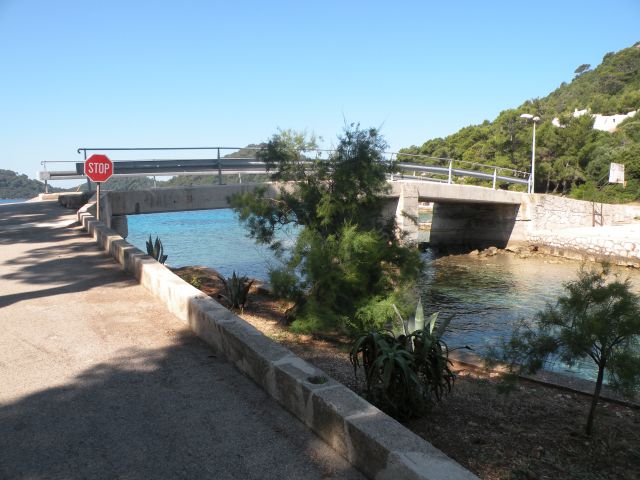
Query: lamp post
[[532, 178]]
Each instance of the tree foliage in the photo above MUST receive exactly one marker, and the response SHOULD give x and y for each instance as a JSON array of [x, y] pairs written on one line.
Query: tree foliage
[[346, 259], [598, 318], [14, 185], [582, 68], [572, 159]]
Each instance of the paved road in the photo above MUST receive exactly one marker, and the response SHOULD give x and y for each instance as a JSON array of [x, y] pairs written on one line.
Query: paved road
[[98, 380]]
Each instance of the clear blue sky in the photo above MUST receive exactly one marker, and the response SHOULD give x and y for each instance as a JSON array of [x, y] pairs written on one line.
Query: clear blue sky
[[180, 73]]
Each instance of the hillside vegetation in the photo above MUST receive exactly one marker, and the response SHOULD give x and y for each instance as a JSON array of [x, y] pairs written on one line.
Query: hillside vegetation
[[15, 185], [573, 159]]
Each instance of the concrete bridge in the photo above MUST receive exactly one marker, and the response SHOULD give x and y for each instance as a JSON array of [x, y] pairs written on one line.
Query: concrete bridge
[[463, 215]]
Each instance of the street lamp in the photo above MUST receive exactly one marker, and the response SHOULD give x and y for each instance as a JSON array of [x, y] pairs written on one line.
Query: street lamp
[[532, 178]]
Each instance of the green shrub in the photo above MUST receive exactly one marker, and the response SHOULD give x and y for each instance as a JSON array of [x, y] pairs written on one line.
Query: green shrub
[[236, 290], [156, 250], [196, 281], [597, 318], [346, 257], [405, 373]]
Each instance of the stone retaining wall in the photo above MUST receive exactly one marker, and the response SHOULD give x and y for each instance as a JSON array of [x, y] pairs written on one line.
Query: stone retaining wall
[[549, 212], [587, 245]]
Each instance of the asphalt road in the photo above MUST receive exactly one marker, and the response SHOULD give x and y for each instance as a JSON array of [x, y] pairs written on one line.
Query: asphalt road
[[99, 381]]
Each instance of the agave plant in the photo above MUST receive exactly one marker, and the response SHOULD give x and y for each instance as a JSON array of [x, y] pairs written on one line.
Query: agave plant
[[405, 373], [236, 290], [156, 250]]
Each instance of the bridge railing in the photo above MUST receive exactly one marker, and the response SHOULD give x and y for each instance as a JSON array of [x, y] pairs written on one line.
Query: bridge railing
[[244, 160], [446, 170]]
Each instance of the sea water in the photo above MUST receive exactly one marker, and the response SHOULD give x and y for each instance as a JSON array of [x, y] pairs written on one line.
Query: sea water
[[211, 238]]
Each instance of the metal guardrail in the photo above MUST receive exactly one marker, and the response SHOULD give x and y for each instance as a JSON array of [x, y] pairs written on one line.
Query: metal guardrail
[[431, 169]]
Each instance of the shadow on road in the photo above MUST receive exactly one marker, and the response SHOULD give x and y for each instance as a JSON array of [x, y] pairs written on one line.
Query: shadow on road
[[176, 412], [15, 220], [60, 268]]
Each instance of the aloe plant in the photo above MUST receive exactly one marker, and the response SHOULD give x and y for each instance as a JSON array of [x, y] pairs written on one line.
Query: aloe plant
[[156, 250], [405, 373], [236, 290]]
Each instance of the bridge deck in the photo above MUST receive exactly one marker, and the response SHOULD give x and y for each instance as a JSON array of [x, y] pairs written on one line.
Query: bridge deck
[[100, 381]]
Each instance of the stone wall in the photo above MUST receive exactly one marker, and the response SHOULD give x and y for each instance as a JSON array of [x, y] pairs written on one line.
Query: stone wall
[[565, 227], [552, 212], [597, 244]]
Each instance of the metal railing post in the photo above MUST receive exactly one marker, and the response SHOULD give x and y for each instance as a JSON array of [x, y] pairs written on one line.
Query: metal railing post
[[450, 171], [495, 174], [88, 181], [219, 169]]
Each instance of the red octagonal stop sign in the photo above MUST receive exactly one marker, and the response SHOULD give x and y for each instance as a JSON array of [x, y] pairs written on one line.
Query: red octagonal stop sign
[[98, 168]]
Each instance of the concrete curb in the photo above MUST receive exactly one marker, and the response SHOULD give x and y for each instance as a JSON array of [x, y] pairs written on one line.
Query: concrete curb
[[371, 441]]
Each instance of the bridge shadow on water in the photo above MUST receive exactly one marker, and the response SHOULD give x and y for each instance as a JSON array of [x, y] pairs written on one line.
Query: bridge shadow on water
[[176, 412]]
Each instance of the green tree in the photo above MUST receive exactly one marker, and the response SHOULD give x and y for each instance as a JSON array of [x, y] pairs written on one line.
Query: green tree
[[598, 318], [563, 154], [582, 68], [347, 258]]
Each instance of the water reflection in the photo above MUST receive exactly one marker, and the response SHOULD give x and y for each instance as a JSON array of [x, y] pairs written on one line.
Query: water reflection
[[486, 296]]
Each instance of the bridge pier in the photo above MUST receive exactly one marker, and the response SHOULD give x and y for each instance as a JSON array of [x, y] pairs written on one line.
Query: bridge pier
[[406, 213]]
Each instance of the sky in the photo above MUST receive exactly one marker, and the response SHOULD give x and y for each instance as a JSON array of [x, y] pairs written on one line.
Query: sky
[[229, 73]]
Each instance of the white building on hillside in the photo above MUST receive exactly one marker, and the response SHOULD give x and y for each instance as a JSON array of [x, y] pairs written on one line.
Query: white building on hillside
[[606, 123]]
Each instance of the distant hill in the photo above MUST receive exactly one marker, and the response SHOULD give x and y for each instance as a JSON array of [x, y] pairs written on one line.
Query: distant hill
[[573, 159], [14, 185]]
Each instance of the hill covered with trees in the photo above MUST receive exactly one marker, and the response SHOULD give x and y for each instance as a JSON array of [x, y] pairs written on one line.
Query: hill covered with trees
[[15, 185], [573, 158]]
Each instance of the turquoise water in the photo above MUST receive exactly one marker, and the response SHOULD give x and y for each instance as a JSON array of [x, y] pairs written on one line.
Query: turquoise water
[[211, 238], [12, 200], [484, 296]]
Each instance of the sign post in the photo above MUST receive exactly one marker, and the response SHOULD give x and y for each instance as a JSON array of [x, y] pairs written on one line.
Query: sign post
[[616, 173], [99, 169]]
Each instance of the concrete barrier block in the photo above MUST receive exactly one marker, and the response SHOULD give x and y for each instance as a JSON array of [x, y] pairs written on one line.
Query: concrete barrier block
[[251, 351], [384, 449], [204, 317], [330, 406], [295, 383]]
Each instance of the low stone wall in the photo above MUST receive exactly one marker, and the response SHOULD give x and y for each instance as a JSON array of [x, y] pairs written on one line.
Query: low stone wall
[[373, 442], [550, 212], [592, 244]]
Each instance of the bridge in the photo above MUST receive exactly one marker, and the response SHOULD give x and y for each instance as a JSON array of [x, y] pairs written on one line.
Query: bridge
[[464, 215]]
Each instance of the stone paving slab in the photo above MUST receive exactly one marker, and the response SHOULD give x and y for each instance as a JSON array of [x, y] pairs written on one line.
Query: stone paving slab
[[98, 380]]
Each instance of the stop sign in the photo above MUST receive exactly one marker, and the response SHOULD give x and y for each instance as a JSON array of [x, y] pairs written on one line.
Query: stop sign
[[98, 168]]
